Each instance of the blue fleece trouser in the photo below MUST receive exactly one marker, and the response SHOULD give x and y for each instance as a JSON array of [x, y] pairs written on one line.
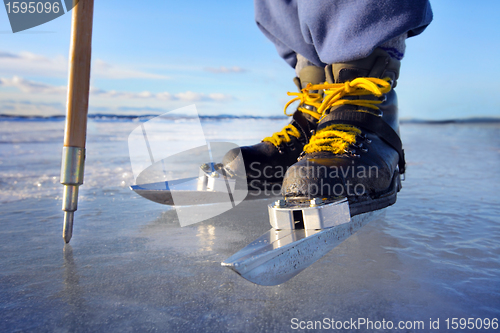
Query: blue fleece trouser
[[331, 31]]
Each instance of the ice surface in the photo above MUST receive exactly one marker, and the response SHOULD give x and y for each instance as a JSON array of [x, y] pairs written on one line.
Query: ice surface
[[130, 267]]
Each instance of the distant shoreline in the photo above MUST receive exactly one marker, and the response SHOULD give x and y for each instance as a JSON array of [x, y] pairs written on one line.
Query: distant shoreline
[[146, 117], [478, 120]]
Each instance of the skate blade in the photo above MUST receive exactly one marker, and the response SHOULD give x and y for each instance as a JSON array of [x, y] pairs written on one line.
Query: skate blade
[[279, 255], [210, 187]]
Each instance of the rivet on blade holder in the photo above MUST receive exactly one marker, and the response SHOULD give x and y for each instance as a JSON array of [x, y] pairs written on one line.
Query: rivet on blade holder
[[280, 203], [316, 202]]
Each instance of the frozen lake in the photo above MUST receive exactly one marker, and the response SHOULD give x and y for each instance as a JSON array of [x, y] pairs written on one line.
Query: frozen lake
[[434, 255]]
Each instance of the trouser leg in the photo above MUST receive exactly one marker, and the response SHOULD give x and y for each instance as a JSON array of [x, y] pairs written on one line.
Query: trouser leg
[[332, 31]]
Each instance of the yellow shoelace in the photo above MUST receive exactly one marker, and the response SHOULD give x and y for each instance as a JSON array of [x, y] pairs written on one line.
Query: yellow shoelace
[[305, 97], [332, 96], [337, 138], [362, 86], [334, 138]]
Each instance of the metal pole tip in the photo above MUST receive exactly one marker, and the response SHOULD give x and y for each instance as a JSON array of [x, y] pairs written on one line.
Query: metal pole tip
[[68, 226]]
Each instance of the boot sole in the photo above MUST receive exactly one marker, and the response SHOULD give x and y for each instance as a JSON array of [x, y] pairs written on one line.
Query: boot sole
[[365, 204]]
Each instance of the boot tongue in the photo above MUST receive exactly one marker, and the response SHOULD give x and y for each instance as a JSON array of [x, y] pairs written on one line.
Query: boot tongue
[[343, 74], [311, 74], [378, 64]]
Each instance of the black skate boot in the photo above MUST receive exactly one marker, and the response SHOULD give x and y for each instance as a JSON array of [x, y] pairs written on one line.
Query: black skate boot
[[265, 163], [356, 151]]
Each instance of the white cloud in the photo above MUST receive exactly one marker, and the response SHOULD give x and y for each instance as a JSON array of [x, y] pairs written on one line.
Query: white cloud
[[222, 69], [190, 96], [7, 55], [32, 87], [166, 96], [219, 97], [31, 108], [102, 69], [26, 63]]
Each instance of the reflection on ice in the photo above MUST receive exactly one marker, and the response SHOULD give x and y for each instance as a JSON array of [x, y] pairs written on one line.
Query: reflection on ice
[[206, 237]]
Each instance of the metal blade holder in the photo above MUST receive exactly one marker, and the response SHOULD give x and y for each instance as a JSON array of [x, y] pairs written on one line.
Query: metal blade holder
[[312, 214], [73, 160]]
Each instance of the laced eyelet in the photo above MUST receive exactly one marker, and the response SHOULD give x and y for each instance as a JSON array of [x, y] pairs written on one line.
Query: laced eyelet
[[301, 156], [308, 107], [365, 139], [360, 147], [351, 153]]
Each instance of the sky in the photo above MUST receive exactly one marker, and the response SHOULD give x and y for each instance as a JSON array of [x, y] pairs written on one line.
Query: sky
[[151, 57]]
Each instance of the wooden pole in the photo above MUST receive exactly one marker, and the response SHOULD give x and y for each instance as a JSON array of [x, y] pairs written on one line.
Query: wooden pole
[[75, 131]]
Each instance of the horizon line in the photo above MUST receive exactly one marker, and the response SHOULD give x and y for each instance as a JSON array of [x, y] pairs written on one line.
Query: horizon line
[[111, 116]]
